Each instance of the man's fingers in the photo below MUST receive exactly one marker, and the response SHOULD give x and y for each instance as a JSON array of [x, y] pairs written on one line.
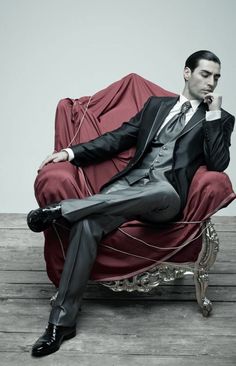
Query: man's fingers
[[61, 156], [208, 98], [46, 161], [213, 100], [55, 158]]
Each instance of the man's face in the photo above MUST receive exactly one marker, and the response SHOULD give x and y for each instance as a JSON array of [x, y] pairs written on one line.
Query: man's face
[[202, 80]]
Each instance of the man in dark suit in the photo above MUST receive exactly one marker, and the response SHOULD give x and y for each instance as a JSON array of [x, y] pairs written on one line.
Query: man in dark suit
[[173, 137]]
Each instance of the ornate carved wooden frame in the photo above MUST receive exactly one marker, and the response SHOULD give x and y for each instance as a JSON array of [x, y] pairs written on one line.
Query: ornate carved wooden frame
[[166, 272]]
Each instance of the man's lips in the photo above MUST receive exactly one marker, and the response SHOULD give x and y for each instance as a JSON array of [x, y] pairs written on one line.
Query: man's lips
[[207, 90]]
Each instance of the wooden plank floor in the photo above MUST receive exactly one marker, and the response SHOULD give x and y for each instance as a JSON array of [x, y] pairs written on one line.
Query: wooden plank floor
[[165, 328]]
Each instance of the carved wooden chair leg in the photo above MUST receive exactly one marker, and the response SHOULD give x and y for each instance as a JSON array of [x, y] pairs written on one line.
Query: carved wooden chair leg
[[207, 257], [201, 284]]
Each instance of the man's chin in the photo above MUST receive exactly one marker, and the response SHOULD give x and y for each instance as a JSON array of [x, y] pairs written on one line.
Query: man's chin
[[201, 97]]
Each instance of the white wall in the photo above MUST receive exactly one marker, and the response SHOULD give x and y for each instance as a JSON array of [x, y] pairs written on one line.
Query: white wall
[[51, 49]]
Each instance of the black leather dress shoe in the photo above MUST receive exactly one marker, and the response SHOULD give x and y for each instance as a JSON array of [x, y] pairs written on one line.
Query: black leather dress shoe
[[52, 339], [40, 219]]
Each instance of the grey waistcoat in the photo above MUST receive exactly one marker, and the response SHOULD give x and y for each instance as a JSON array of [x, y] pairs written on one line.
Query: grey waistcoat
[[156, 162]]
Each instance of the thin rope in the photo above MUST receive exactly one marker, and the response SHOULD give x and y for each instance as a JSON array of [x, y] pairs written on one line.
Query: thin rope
[[141, 257], [82, 119], [149, 259], [160, 248], [127, 253]]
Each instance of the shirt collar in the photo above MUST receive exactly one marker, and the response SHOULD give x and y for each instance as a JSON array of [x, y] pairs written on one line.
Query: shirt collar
[[194, 102]]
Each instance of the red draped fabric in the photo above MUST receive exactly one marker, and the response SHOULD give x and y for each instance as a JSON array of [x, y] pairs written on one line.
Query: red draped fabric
[[135, 246]]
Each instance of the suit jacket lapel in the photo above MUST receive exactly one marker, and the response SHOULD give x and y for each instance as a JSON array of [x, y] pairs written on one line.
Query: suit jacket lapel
[[162, 113], [150, 128]]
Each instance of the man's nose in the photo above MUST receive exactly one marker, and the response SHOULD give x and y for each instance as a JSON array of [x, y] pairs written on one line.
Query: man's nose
[[211, 81]]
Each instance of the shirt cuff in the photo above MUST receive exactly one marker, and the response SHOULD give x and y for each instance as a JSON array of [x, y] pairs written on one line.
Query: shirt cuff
[[212, 115], [70, 153]]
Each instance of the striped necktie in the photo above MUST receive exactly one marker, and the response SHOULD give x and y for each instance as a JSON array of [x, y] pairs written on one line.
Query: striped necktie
[[175, 125]]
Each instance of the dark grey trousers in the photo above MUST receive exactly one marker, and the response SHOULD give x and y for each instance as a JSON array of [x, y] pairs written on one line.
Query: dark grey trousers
[[96, 216]]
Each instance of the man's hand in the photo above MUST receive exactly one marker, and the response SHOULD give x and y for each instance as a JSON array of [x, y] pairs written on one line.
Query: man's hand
[[55, 158], [214, 101]]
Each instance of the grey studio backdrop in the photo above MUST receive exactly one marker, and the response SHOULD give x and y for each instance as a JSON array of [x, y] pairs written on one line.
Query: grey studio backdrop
[[52, 49]]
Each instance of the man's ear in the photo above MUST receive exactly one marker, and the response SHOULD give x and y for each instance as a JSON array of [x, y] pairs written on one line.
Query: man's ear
[[187, 73]]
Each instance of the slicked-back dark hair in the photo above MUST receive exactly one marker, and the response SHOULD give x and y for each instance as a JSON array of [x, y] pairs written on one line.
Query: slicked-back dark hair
[[193, 60]]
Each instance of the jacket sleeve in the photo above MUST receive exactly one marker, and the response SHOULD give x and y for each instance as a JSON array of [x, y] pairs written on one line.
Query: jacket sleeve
[[109, 144], [217, 135]]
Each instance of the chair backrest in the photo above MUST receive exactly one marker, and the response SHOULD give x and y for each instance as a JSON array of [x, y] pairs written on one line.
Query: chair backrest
[[105, 111]]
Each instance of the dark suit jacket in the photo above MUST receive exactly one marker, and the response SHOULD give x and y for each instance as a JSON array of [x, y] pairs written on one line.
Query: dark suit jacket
[[200, 143]]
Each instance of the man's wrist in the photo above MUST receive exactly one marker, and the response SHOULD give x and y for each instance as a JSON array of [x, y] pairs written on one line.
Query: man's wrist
[[70, 153], [212, 115]]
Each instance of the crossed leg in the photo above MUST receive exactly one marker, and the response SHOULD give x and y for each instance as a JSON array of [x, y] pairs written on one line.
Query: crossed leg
[[94, 217]]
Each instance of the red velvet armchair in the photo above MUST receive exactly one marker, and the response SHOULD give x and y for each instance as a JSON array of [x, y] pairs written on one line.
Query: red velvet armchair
[[137, 256]]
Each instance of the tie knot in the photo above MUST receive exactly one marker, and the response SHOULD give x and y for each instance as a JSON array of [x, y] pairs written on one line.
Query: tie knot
[[185, 107]]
